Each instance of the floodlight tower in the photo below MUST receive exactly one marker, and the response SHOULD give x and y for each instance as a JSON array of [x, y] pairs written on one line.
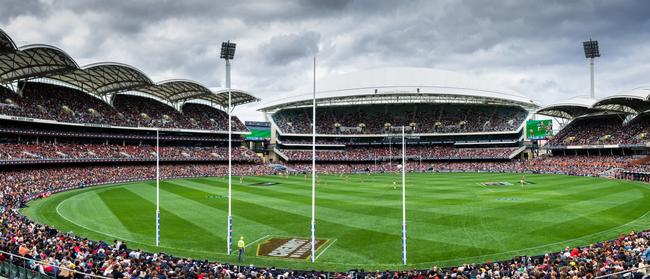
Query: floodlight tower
[[591, 52], [228, 53]]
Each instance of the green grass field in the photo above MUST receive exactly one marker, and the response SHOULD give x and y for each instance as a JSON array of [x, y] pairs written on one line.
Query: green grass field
[[452, 218]]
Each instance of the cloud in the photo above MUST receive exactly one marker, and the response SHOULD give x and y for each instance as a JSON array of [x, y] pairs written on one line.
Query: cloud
[[284, 49], [12, 9], [533, 47]]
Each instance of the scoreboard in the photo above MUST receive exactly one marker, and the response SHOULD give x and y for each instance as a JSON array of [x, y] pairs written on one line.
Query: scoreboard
[[539, 129]]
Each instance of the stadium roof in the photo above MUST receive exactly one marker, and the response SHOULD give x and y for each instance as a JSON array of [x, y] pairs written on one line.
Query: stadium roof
[[635, 101], [101, 79], [105, 78], [6, 43], [180, 90], [238, 97], [571, 108], [402, 85], [34, 61]]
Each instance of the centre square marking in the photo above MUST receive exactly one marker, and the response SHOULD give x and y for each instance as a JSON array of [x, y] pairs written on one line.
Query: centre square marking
[[298, 248]]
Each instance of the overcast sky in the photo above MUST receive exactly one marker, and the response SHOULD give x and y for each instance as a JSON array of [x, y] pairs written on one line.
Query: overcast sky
[[533, 47]]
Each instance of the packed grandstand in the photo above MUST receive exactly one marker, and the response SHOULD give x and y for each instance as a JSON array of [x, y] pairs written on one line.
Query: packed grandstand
[[64, 127]]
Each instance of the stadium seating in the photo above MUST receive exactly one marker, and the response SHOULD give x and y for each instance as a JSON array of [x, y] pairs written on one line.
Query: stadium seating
[[604, 130], [53, 151], [63, 104], [48, 250], [426, 118], [414, 152], [39, 159], [140, 111], [206, 116], [571, 165]]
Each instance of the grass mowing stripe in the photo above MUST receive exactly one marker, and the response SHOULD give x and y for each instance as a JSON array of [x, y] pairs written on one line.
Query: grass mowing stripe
[[90, 202], [451, 219], [189, 201], [123, 202], [300, 205]]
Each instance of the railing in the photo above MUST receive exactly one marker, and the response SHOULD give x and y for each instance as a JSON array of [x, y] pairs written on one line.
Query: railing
[[624, 273], [19, 267], [109, 160], [29, 132]]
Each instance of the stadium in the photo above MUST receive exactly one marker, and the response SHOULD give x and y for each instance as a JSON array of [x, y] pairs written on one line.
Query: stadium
[[420, 172]]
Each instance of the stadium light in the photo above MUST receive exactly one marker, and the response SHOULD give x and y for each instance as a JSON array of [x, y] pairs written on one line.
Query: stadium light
[[228, 50], [591, 49], [591, 52], [228, 53]]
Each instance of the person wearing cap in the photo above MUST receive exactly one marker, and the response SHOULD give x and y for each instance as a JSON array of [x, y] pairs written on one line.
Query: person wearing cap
[[241, 245]]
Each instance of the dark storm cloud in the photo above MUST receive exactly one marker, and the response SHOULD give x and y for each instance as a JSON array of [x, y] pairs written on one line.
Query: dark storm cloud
[[531, 46]]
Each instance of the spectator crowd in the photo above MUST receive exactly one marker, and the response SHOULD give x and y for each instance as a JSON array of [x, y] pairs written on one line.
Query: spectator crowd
[[571, 165], [52, 252], [424, 118], [412, 152], [604, 130], [56, 253], [51, 151], [51, 102]]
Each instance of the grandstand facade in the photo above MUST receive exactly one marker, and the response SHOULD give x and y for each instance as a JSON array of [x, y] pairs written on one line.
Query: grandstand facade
[[447, 116], [617, 124], [54, 112]]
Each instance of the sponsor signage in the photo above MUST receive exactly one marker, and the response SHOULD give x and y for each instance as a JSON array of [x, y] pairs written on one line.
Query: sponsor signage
[[288, 247]]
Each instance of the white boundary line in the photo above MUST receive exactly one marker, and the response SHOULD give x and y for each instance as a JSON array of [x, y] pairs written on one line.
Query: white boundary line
[[325, 249], [387, 264], [123, 238], [257, 240], [58, 211]]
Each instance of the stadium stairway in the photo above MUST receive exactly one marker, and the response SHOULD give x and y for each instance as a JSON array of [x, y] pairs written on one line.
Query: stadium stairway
[[281, 154], [516, 152]]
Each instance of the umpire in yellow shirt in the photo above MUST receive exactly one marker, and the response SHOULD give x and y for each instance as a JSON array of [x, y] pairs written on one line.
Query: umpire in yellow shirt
[[241, 245]]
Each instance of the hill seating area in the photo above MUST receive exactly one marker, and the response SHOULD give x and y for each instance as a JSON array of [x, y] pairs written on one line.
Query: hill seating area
[[429, 118], [63, 104]]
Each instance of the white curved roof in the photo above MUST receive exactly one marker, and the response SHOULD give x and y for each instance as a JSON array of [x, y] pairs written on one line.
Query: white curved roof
[[633, 101], [570, 108], [638, 93], [406, 81], [578, 101]]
